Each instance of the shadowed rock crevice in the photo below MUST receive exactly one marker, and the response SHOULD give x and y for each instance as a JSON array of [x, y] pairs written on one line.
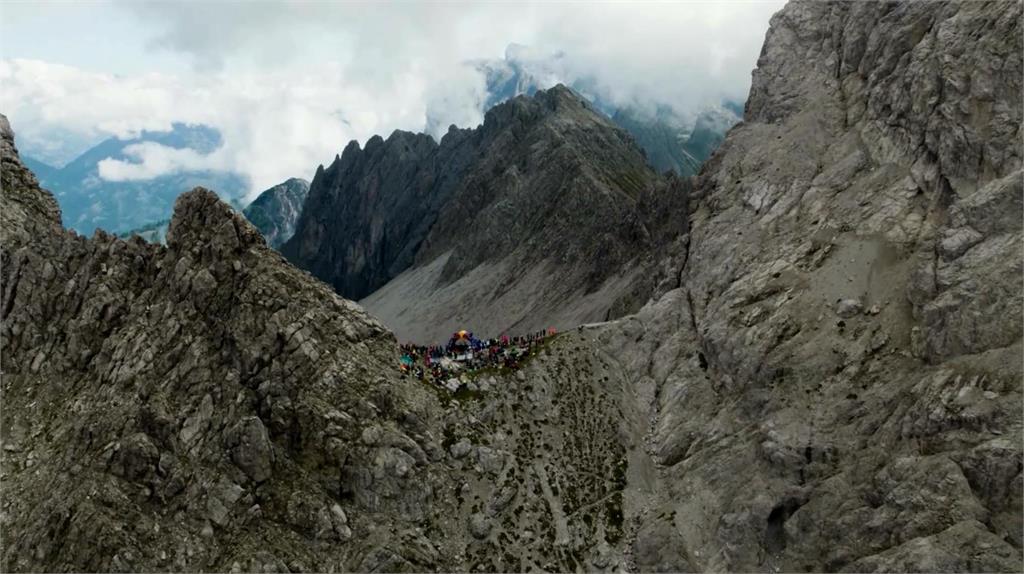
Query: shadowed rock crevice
[[775, 529]]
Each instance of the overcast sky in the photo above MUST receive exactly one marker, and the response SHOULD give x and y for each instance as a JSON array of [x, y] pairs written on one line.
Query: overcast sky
[[289, 84]]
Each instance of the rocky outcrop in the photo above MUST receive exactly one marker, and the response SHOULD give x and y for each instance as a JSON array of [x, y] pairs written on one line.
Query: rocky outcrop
[[544, 215], [276, 211], [30, 213], [840, 366], [273, 212], [193, 407]]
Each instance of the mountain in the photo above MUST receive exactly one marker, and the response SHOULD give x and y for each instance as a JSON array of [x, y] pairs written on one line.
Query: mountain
[[273, 213], [56, 146], [40, 169], [543, 216], [276, 211], [831, 382], [206, 406], [88, 201], [676, 144], [673, 140], [522, 72], [836, 382], [206, 393]]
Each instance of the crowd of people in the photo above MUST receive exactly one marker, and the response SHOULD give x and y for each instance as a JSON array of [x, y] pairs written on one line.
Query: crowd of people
[[466, 354]]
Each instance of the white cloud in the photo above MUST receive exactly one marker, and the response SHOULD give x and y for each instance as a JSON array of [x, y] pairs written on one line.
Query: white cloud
[[274, 125], [150, 159], [55, 95], [288, 85], [673, 52]]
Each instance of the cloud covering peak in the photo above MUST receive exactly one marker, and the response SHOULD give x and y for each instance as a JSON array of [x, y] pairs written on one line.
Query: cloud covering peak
[[288, 85]]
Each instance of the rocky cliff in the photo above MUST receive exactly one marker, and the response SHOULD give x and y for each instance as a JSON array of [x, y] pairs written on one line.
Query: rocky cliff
[[836, 384], [544, 215], [276, 211], [183, 407]]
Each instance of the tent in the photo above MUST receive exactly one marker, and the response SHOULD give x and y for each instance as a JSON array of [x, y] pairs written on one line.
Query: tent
[[461, 338]]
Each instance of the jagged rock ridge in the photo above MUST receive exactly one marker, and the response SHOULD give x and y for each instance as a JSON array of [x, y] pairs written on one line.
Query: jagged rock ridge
[[545, 215], [206, 406], [192, 406]]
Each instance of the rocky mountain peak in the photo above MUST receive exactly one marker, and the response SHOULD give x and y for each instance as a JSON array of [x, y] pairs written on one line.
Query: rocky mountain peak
[[560, 101], [454, 133], [295, 181], [201, 218], [276, 211], [200, 377], [537, 182], [6, 133], [561, 96], [29, 213], [350, 151]]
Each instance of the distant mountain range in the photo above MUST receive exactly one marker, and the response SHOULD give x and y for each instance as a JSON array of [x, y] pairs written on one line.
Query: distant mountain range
[[672, 139], [88, 201]]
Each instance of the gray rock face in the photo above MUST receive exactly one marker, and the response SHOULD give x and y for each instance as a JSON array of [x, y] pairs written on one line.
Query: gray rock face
[[276, 211], [545, 215], [783, 437], [370, 210], [30, 213], [251, 448], [188, 407]]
